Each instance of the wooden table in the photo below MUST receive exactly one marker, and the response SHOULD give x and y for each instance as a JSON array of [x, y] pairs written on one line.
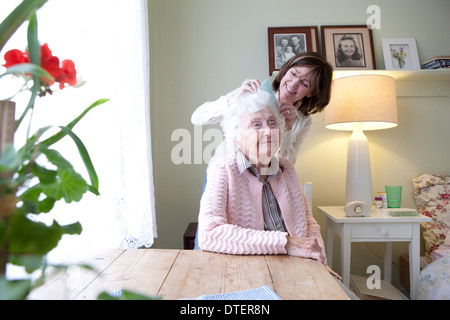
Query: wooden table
[[178, 274]]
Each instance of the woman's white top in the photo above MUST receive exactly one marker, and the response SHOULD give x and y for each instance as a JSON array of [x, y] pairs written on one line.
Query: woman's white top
[[211, 112]]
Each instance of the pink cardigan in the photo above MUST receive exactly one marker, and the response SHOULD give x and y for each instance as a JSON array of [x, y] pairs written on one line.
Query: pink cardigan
[[231, 219]]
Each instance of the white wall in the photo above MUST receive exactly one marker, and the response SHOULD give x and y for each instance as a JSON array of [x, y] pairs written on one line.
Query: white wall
[[202, 49]]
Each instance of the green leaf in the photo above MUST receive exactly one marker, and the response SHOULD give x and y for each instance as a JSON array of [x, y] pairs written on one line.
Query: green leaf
[[106, 296], [56, 158], [34, 50], [58, 136], [30, 237], [46, 205], [3, 231], [14, 290], [31, 262], [81, 148], [16, 18], [34, 203], [30, 146], [84, 155], [30, 68], [74, 228], [30, 199], [71, 186], [65, 183], [45, 175], [9, 159], [126, 295]]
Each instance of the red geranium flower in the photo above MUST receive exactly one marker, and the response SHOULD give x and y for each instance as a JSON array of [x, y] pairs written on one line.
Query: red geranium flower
[[50, 63], [14, 57], [68, 74], [62, 73]]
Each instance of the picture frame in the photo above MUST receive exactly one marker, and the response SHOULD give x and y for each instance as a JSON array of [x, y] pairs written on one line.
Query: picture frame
[[348, 47], [300, 39], [400, 54]]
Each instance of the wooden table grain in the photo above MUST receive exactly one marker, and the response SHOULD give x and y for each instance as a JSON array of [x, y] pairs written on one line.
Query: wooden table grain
[[185, 274]]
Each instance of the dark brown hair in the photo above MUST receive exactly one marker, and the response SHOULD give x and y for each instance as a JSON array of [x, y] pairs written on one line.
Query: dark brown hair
[[322, 87]]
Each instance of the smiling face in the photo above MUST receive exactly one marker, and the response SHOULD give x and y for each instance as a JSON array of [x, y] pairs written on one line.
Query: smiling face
[[259, 137], [348, 47], [297, 83]]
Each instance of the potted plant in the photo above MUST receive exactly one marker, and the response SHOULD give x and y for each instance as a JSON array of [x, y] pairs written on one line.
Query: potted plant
[[27, 186]]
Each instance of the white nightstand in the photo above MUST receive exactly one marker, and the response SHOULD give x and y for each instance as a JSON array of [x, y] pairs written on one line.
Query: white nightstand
[[378, 227]]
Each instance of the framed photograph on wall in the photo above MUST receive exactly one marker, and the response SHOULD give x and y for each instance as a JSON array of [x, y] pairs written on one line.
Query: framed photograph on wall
[[348, 47], [400, 54], [285, 42]]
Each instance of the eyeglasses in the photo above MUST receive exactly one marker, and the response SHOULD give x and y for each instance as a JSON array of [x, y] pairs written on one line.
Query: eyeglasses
[[259, 125]]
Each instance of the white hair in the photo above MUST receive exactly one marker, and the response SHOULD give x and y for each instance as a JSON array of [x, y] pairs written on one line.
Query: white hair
[[250, 103]]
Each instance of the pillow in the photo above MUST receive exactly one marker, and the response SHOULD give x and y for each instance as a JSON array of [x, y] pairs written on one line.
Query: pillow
[[432, 195], [434, 281]]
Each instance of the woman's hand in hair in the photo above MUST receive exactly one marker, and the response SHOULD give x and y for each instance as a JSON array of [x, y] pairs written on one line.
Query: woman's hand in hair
[[248, 85]]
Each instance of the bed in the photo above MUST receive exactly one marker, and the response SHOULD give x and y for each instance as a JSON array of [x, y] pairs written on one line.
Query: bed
[[432, 195]]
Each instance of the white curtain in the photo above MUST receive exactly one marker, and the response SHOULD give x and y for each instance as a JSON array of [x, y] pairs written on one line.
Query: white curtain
[[108, 41]]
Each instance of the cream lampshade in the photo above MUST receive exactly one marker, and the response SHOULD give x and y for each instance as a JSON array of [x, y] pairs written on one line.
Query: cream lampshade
[[358, 103]]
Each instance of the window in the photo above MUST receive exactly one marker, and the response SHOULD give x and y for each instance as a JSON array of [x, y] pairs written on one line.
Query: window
[[108, 41]]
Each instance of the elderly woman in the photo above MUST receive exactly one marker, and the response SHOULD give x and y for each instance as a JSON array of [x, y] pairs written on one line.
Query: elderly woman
[[253, 203]]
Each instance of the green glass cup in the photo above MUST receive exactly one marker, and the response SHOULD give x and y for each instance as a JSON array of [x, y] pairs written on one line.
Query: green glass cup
[[394, 196]]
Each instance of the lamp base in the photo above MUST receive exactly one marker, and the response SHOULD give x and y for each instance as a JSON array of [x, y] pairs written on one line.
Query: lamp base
[[359, 179]]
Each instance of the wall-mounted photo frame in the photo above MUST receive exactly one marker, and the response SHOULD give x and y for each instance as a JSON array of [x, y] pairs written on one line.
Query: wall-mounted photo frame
[[400, 54], [285, 42], [348, 47]]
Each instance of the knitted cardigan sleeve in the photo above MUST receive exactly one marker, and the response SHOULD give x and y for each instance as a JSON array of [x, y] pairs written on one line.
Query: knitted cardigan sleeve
[[233, 227]]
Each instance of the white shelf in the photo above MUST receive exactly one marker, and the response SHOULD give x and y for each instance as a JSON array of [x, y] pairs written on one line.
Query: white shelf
[[411, 83], [416, 75]]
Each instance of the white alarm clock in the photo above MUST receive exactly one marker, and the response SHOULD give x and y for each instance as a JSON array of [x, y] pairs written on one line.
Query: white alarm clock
[[357, 209]]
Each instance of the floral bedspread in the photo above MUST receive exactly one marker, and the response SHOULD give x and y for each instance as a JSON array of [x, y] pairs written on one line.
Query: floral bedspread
[[432, 195]]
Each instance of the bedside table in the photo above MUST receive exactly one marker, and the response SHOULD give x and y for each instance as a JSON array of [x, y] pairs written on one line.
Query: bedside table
[[378, 227]]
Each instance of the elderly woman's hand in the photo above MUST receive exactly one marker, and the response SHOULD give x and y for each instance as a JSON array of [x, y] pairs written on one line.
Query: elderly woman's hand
[[334, 273], [305, 248], [298, 246]]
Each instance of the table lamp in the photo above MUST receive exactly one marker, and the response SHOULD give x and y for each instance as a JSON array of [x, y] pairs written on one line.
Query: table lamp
[[358, 103]]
